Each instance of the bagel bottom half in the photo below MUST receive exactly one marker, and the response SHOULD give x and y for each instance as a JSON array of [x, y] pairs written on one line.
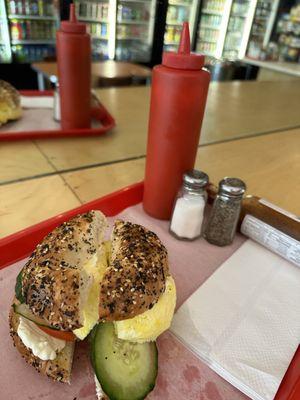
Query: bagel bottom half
[[58, 369]]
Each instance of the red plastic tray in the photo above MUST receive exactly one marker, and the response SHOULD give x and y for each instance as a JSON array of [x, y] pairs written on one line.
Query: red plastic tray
[[99, 113], [19, 245]]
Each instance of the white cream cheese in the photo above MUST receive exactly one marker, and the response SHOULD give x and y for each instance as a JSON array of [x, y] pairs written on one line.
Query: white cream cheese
[[40, 343]]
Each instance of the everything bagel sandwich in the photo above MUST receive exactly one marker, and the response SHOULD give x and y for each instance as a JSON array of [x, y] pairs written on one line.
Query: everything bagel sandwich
[[120, 292]]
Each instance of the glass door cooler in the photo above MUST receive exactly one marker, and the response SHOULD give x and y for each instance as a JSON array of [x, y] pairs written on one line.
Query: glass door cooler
[[263, 22], [238, 29], [178, 12], [213, 26], [5, 49], [32, 28], [134, 30], [95, 14]]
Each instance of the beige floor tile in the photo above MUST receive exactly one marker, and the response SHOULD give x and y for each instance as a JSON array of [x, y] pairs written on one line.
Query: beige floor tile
[[92, 183], [25, 203], [20, 160]]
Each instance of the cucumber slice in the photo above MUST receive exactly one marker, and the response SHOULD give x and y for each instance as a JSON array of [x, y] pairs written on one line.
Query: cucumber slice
[[125, 370], [24, 311], [18, 288]]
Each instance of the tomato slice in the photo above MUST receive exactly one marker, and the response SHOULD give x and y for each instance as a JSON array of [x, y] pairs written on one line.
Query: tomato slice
[[63, 335]]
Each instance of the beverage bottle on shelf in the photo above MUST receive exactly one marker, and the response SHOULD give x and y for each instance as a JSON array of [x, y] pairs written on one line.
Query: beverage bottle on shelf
[[74, 72], [178, 98], [12, 7], [103, 30], [119, 13], [34, 7], [41, 7], [104, 11], [99, 11]]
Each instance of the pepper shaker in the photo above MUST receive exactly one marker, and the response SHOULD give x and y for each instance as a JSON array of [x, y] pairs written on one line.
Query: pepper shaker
[[222, 223], [188, 211]]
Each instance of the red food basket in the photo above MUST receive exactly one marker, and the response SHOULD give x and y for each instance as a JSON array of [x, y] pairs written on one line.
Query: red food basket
[[19, 245], [99, 114]]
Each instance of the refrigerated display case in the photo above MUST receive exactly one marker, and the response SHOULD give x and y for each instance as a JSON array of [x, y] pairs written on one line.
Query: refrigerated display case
[[178, 12], [213, 26], [134, 30], [31, 29], [263, 22], [238, 29], [95, 14], [120, 29], [285, 40], [5, 49]]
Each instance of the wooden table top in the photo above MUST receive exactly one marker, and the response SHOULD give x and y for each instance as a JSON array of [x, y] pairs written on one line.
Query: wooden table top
[[101, 69], [269, 164], [234, 110]]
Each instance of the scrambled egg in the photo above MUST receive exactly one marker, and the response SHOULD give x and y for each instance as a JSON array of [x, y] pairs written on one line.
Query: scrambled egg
[[149, 325], [95, 268]]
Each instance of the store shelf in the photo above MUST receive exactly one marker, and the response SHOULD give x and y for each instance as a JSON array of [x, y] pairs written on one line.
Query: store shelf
[[179, 4], [203, 40], [130, 22], [137, 1], [215, 28], [143, 39], [99, 37], [238, 15], [259, 34], [212, 12], [33, 41], [261, 18], [37, 17], [87, 19], [230, 49], [171, 43], [174, 23], [207, 53], [234, 33]]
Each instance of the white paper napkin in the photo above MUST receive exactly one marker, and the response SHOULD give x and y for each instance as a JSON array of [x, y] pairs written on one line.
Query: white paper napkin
[[244, 321], [37, 101]]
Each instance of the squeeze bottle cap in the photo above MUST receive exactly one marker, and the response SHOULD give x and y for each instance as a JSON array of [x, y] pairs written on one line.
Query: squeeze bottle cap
[[183, 59], [73, 26]]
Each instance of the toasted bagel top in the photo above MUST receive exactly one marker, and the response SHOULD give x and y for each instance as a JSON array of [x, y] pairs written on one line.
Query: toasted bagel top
[[136, 276], [53, 280]]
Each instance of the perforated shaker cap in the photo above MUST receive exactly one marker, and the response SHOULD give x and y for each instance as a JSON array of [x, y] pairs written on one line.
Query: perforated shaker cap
[[183, 59], [73, 26], [232, 187], [195, 179]]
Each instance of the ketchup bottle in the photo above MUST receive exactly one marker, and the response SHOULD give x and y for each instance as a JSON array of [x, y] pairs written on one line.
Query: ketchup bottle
[[74, 73], [178, 98]]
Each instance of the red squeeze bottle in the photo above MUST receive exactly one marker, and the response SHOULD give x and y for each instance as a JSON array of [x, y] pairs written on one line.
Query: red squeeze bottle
[[178, 98], [74, 73]]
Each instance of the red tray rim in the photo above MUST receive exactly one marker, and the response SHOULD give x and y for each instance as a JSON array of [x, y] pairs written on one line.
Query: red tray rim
[[19, 245], [100, 113]]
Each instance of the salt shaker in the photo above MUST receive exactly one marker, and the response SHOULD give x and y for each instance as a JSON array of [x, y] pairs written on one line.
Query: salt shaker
[[188, 211], [56, 103], [222, 223]]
